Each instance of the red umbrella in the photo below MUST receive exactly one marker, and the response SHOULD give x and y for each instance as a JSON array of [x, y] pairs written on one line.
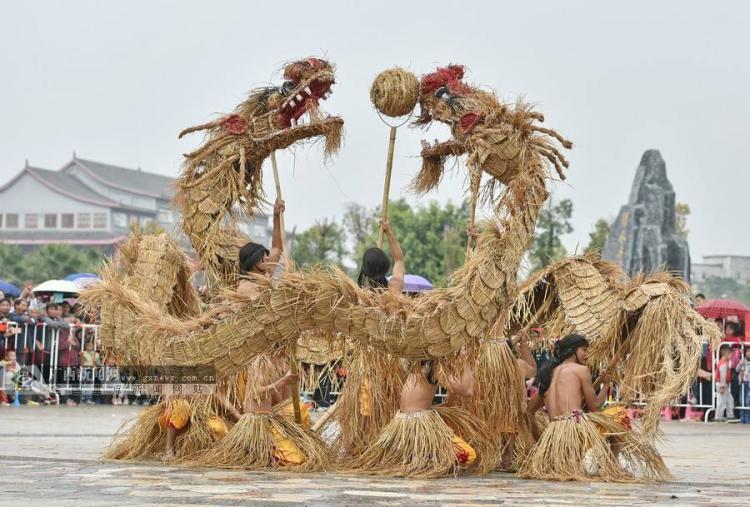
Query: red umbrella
[[722, 308]]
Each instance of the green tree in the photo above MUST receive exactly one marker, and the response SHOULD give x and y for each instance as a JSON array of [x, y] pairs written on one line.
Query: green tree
[[681, 211], [598, 237], [359, 223], [718, 287], [57, 261], [12, 264], [433, 237], [553, 221], [322, 243]]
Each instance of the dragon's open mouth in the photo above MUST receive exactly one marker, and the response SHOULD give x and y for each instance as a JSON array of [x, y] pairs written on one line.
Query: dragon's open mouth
[[304, 100]]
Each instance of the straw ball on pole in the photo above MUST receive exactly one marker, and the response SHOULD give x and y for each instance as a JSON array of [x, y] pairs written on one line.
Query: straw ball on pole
[[394, 92]]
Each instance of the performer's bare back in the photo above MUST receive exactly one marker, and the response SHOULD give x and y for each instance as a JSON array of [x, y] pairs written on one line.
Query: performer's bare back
[[571, 386], [417, 394]]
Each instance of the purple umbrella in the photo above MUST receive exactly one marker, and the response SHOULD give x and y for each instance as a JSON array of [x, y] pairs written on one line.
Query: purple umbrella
[[416, 283]]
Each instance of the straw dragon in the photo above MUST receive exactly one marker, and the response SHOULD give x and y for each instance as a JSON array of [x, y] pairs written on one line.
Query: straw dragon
[[501, 140]]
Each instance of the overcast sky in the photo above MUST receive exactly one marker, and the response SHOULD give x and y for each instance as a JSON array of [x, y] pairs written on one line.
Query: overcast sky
[[116, 82]]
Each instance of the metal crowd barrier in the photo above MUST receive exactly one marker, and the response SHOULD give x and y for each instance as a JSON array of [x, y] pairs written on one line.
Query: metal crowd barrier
[[738, 354]]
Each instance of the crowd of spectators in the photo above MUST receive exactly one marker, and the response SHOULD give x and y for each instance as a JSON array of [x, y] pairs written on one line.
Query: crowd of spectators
[[36, 330]]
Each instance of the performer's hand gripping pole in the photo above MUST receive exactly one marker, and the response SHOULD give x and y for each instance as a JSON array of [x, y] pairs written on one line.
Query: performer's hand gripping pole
[[293, 347]]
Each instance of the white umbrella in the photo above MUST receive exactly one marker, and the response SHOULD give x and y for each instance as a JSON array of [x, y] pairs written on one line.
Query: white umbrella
[[57, 286]]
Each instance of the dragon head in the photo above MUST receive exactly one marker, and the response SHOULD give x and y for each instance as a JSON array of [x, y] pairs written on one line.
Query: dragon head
[[499, 138], [223, 177], [307, 82]]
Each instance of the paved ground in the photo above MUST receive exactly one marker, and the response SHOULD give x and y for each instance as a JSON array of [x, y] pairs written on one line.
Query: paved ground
[[51, 455]]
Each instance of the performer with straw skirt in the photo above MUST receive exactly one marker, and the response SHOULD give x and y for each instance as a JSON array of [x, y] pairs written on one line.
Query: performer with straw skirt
[[267, 435], [424, 441], [579, 445], [369, 397], [175, 427]]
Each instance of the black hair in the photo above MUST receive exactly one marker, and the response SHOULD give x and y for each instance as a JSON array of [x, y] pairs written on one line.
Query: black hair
[[250, 255], [4, 300], [734, 326], [18, 302], [700, 295], [564, 348], [724, 348], [375, 265], [50, 306]]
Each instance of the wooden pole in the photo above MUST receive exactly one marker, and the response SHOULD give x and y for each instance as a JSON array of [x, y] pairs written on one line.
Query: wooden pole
[[476, 181], [387, 185], [293, 347], [325, 416], [384, 215]]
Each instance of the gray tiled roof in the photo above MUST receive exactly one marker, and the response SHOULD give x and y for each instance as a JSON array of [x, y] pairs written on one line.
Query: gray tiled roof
[[134, 179], [71, 185]]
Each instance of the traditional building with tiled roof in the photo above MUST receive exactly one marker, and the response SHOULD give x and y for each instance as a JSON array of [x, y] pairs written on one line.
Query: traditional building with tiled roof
[[88, 203]]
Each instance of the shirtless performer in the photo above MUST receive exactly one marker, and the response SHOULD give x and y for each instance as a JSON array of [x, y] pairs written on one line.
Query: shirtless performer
[[423, 440], [565, 387], [266, 434], [369, 397], [258, 260], [254, 258]]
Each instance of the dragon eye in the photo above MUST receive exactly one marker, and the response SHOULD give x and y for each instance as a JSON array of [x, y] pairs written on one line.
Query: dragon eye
[[443, 94], [287, 87]]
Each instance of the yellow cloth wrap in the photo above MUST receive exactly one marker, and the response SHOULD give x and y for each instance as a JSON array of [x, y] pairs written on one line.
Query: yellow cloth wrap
[[464, 452], [286, 409], [618, 414], [176, 415], [285, 452], [218, 426], [365, 399]]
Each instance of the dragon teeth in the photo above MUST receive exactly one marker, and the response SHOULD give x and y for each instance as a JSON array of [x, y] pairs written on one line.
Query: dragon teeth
[[299, 97], [307, 90]]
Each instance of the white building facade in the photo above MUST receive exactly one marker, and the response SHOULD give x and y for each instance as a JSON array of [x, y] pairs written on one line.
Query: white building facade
[[88, 203], [736, 267]]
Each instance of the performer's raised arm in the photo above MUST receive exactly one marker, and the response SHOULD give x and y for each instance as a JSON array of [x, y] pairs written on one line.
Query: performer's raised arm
[[277, 243], [396, 283]]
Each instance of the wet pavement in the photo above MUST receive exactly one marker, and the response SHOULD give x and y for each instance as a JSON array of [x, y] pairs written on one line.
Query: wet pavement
[[52, 456]]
